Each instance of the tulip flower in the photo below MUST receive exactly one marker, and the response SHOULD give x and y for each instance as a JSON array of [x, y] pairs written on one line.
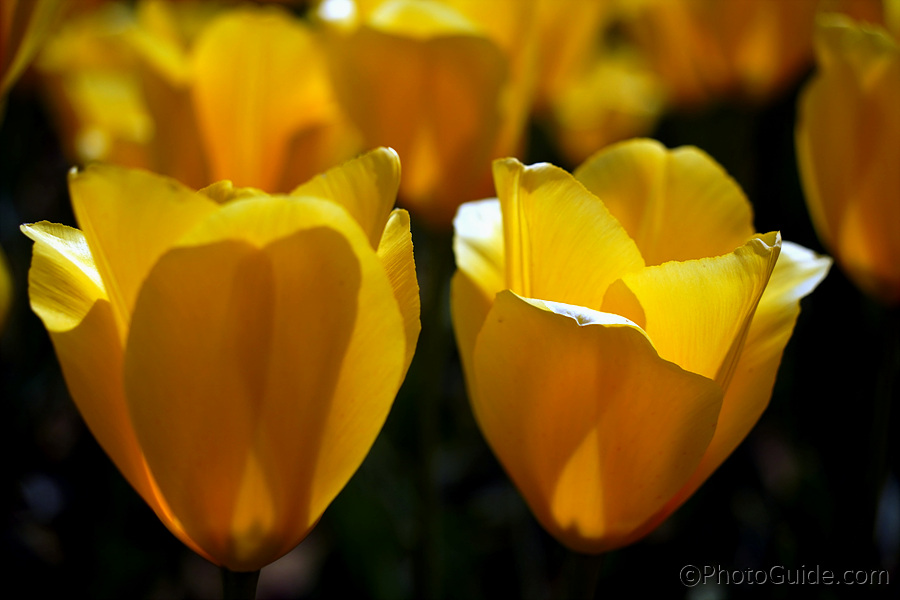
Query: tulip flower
[[848, 149], [234, 353], [620, 331], [440, 83], [24, 25], [707, 49], [199, 92]]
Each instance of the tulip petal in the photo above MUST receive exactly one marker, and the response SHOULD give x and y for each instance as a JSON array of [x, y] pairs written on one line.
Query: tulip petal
[[848, 148], [478, 245], [129, 219], [29, 24], [595, 429], [68, 296], [271, 345], [698, 312], [796, 274], [259, 77], [63, 282], [561, 243], [438, 106], [676, 205], [366, 187], [396, 254]]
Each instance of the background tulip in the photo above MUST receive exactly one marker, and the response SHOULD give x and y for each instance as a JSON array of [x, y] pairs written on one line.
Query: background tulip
[[848, 149], [24, 25], [620, 331], [234, 353], [706, 49], [197, 91], [455, 95]]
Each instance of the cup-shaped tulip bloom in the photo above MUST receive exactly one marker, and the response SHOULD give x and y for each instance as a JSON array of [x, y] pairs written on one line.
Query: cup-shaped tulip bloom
[[199, 92], [620, 331], [707, 49], [848, 148], [436, 82], [234, 353]]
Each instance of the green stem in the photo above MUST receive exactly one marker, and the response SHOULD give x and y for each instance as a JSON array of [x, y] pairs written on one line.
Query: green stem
[[239, 585]]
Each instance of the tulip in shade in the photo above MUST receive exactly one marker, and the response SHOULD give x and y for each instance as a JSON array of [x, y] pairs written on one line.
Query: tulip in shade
[[848, 148], [437, 81], [707, 49], [234, 353], [620, 331], [197, 91], [24, 25]]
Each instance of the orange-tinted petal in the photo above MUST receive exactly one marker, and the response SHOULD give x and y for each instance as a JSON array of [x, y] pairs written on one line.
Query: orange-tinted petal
[[270, 345], [259, 77], [68, 296], [601, 432], [797, 272]]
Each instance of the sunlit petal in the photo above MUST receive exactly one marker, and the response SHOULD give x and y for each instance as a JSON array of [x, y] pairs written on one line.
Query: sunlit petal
[[676, 205], [129, 218], [554, 231], [366, 187], [586, 436]]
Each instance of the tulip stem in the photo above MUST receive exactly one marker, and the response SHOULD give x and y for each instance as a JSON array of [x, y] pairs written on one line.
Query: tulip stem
[[579, 577], [239, 585]]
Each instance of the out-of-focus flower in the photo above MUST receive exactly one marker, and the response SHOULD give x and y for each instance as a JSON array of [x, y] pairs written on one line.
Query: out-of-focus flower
[[234, 353], [448, 84], [848, 149], [198, 91], [616, 98], [24, 25], [708, 49], [593, 87], [620, 331]]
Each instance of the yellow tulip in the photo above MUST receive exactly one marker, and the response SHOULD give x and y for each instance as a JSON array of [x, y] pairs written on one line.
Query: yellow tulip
[[437, 81], [234, 353], [848, 149], [199, 92], [620, 331], [706, 49], [24, 25]]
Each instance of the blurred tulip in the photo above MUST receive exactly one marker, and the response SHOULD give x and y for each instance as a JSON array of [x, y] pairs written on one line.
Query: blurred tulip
[[620, 331], [848, 149], [593, 87], [616, 98], [445, 83], [24, 25], [707, 49], [234, 353], [198, 91]]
